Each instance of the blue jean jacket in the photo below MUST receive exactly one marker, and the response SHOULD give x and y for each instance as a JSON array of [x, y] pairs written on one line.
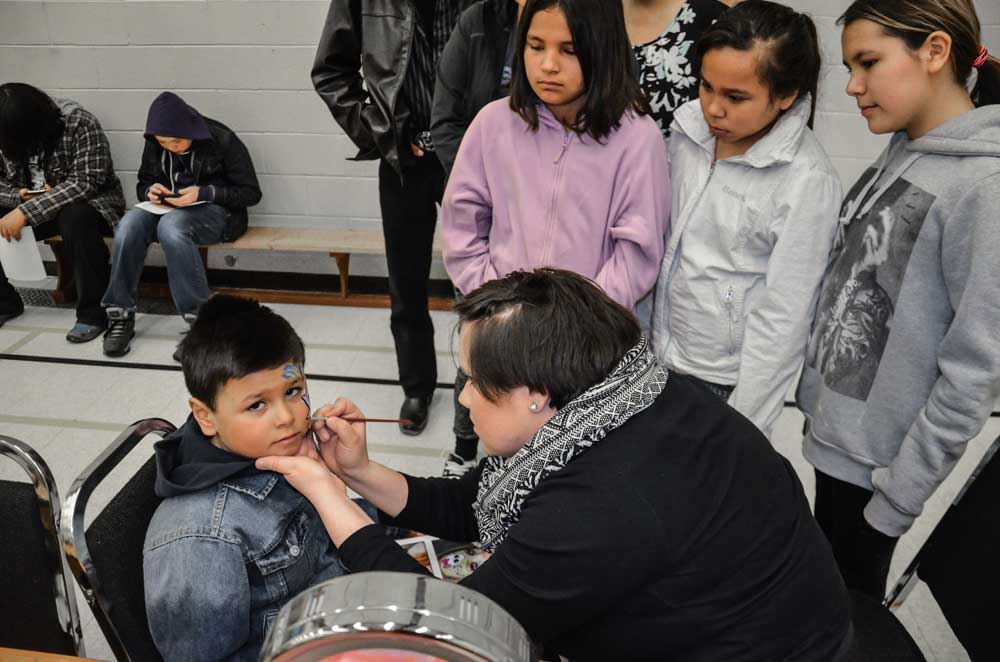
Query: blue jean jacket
[[219, 563]]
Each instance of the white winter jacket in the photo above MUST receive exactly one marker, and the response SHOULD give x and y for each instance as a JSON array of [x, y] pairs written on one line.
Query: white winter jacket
[[746, 250]]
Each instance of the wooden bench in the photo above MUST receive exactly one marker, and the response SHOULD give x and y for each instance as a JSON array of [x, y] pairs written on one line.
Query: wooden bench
[[339, 244]]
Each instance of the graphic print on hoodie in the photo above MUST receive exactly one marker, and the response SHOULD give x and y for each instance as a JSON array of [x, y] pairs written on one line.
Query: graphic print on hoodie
[[855, 312]]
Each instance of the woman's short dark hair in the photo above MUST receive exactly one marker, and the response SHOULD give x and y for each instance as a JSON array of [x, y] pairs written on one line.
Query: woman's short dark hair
[[232, 338], [790, 59], [30, 122], [551, 330], [610, 84]]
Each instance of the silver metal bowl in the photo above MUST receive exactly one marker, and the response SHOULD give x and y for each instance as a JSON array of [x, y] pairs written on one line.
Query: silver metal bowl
[[394, 616]]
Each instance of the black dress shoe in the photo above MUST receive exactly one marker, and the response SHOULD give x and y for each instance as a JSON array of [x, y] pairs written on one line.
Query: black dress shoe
[[415, 409]]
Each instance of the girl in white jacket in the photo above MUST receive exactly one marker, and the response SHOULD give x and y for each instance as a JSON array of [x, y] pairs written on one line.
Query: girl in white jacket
[[753, 216]]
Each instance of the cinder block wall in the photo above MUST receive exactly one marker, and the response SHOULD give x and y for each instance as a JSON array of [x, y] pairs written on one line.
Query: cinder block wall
[[247, 62]]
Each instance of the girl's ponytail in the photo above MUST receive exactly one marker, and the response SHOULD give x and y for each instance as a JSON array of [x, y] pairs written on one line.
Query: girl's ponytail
[[789, 61], [987, 89]]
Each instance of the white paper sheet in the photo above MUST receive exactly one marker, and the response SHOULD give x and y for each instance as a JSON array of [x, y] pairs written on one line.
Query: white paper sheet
[[159, 209], [21, 259]]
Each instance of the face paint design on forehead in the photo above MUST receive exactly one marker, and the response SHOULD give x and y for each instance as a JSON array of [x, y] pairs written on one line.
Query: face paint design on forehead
[[294, 371]]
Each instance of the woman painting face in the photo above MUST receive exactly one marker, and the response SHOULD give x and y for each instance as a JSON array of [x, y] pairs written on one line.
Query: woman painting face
[[508, 422]]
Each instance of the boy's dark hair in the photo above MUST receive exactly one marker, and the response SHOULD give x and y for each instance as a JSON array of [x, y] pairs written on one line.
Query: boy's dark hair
[[30, 123], [914, 20], [232, 338], [551, 330], [789, 59], [606, 60]]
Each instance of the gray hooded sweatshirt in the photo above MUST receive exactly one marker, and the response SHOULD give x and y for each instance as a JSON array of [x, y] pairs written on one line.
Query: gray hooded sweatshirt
[[903, 363]]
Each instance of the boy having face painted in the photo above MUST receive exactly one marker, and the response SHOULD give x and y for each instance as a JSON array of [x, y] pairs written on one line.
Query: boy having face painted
[[230, 544]]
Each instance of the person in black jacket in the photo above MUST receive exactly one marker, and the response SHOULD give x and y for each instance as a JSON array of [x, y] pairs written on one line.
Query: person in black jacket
[[475, 69], [374, 69], [195, 183], [631, 514], [57, 177]]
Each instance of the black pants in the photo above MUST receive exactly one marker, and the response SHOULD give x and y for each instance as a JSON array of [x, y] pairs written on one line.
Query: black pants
[[82, 229], [862, 553], [466, 439], [408, 219]]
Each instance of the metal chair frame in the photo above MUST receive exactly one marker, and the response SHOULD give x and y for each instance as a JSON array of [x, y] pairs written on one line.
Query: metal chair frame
[[47, 497], [74, 530], [901, 590]]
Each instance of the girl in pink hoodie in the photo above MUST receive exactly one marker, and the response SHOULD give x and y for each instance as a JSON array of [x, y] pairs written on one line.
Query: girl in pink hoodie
[[569, 171]]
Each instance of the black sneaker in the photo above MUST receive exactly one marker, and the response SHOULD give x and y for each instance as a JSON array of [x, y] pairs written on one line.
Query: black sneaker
[[118, 338], [456, 466]]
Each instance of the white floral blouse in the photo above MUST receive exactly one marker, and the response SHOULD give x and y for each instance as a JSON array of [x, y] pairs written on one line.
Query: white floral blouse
[[669, 65]]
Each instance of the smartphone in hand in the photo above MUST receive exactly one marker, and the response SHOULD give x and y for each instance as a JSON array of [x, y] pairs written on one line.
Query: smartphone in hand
[[35, 191], [165, 196]]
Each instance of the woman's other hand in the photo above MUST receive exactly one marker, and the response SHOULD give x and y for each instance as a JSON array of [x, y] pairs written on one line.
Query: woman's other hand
[[307, 474]]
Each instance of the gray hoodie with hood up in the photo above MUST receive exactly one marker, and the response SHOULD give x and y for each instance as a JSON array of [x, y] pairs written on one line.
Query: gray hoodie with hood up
[[903, 363]]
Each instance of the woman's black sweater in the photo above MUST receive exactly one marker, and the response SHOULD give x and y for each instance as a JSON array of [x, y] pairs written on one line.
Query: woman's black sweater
[[681, 536]]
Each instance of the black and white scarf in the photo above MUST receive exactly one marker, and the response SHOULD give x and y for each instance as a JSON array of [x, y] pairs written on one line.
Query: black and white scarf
[[633, 385]]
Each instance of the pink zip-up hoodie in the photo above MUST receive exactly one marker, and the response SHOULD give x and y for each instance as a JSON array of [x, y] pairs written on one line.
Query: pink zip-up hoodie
[[522, 199]]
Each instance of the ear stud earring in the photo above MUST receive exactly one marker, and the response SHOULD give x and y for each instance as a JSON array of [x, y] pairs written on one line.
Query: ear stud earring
[[533, 406]]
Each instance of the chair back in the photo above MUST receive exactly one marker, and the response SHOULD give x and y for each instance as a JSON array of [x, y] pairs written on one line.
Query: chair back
[[38, 609], [959, 561], [878, 634], [106, 557]]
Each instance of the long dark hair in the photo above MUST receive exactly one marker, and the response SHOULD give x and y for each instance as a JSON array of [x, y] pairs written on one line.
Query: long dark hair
[[551, 330], [790, 60], [914, 20], [30, 122], [606, 59]]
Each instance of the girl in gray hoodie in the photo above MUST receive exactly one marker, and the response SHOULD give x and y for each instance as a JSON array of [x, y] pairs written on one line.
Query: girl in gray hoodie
[[903, 363]]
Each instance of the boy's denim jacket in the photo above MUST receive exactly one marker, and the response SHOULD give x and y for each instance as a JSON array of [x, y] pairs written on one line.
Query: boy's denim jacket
[[219, 563]]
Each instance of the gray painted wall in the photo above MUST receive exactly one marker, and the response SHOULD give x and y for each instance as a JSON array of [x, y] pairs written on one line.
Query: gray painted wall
[[247, 62]]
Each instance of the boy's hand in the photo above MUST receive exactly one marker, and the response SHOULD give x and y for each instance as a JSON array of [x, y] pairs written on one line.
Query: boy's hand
[[155, 190], [343, 445], [11, 225], [189, 196]]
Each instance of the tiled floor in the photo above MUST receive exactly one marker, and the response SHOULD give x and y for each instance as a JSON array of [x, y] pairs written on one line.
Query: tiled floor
[[69, 413]]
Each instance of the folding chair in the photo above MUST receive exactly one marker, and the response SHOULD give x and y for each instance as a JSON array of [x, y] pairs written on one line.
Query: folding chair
[[38, 609], [959, 562], [106, 557]]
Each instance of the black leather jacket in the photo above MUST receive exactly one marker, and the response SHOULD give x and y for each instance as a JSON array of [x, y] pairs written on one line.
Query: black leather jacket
[[370, 41]]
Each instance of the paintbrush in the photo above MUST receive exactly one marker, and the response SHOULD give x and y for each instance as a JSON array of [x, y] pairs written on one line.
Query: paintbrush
[[355, 419]]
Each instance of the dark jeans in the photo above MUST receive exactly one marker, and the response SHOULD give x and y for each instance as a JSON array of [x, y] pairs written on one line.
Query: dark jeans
[[721, 391], [466, 438], [82, 229], [862, 553], [408, 219], [179, 233]]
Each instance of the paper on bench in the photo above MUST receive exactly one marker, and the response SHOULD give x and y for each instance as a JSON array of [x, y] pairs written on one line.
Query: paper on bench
[[160, 210], [21, 259]]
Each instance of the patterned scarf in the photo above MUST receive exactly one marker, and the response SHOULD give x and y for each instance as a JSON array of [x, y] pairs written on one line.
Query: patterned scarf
[[632, 386]]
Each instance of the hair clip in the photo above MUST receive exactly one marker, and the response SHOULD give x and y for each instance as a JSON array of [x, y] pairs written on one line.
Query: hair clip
[[981, 58]]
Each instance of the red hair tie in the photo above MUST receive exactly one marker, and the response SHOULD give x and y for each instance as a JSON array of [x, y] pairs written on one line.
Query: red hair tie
[[980, 59]]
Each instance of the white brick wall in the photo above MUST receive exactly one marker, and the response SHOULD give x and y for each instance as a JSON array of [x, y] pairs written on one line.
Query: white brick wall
[[247, 62]]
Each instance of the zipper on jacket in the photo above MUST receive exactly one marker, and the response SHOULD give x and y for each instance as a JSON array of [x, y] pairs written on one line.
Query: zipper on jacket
[[728, 301], [554, 201], [565, 144]]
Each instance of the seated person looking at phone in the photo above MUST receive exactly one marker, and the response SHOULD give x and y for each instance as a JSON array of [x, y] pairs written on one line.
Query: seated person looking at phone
[[631, 514], [56, 177], [201, 175]]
